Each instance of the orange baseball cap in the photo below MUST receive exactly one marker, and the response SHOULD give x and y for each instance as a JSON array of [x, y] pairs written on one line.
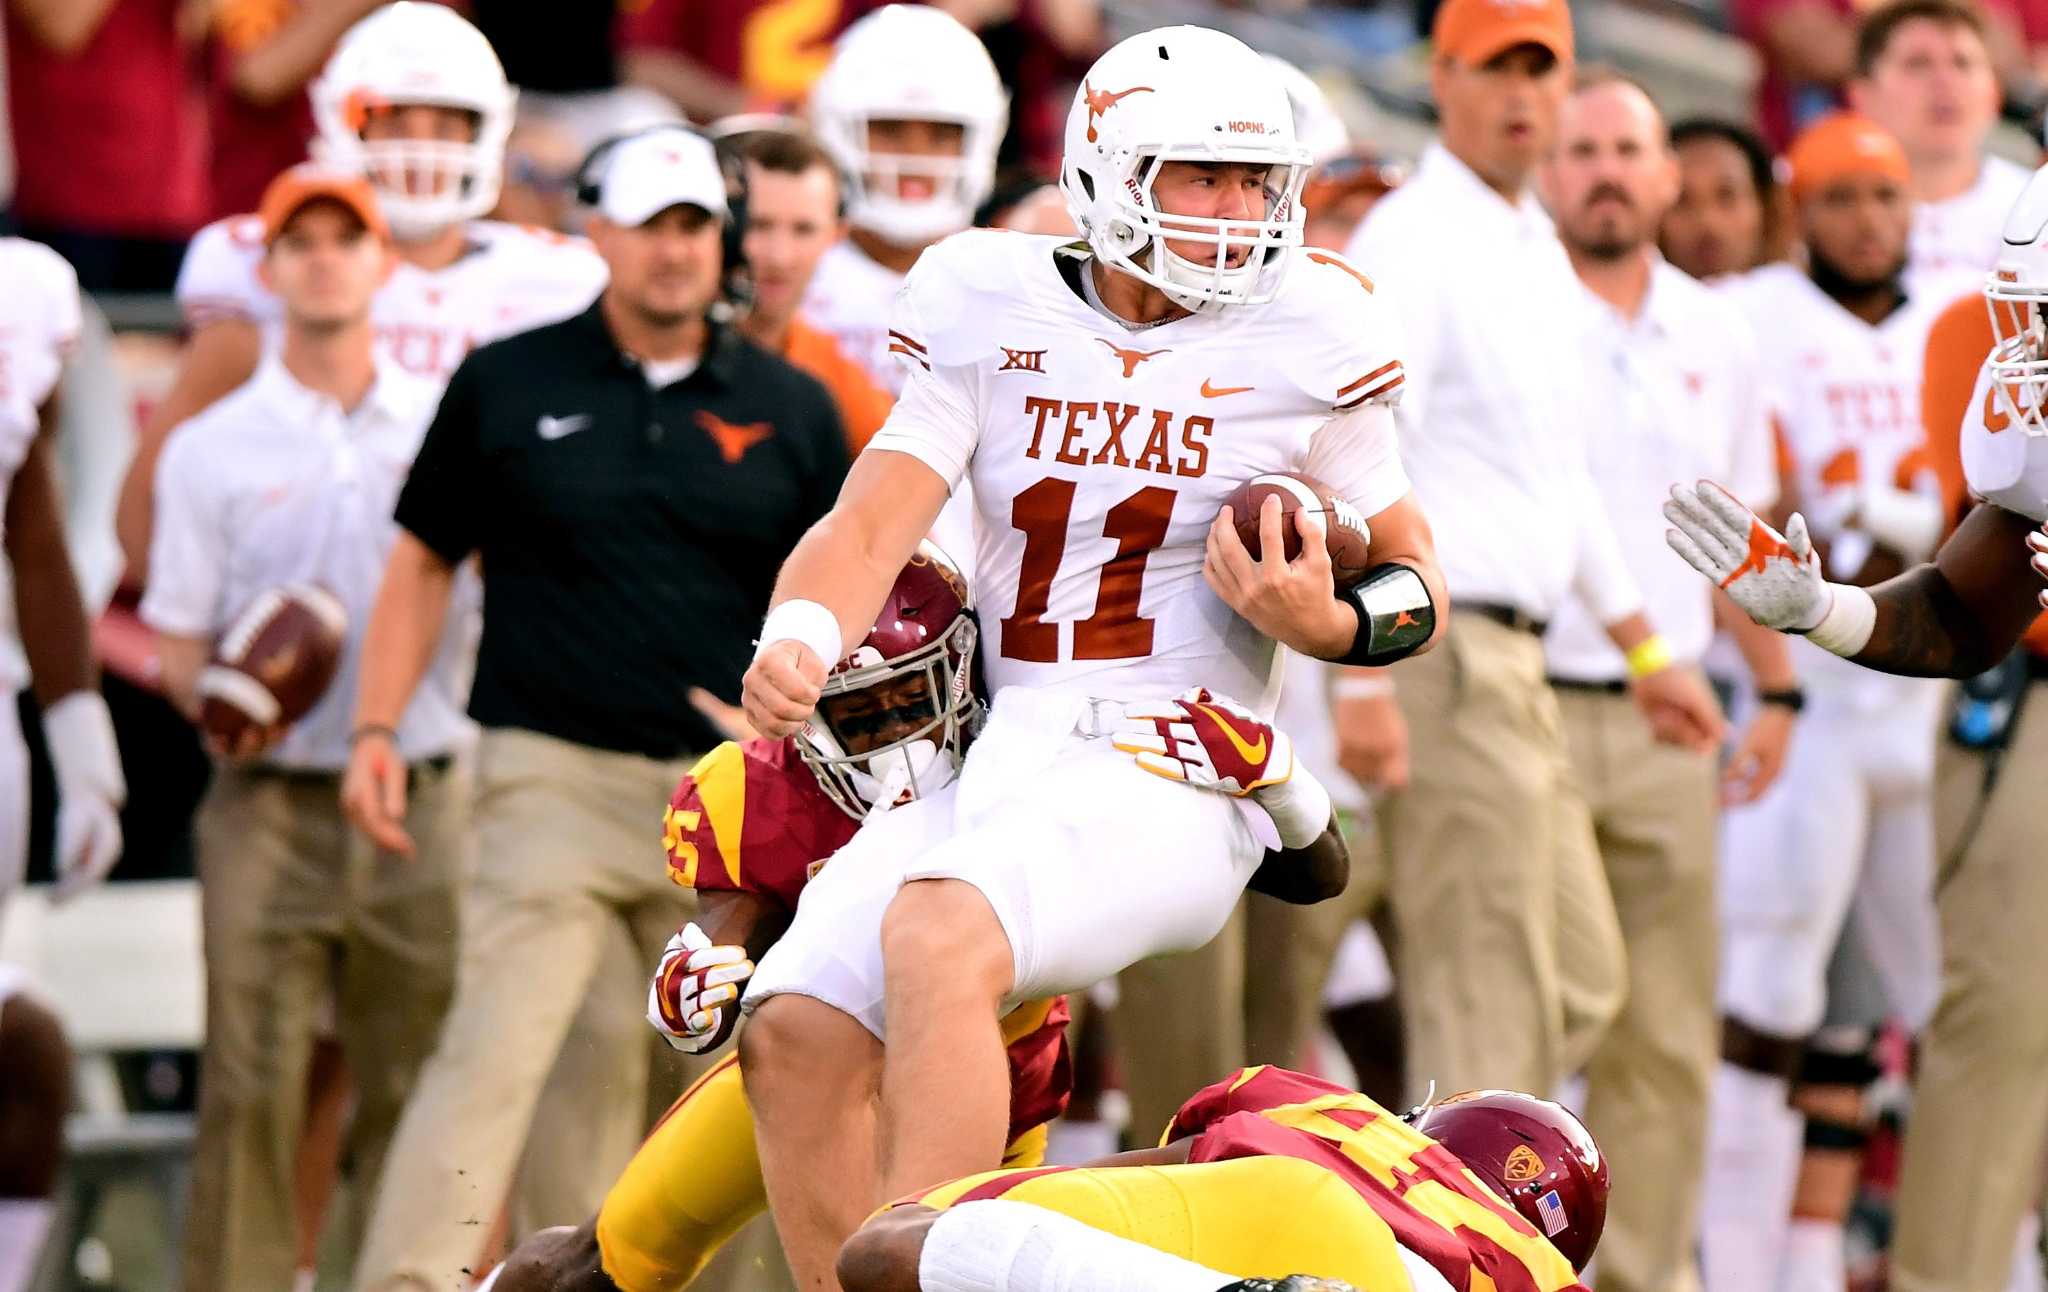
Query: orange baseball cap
[[1839, 145], [1475, 31], [310, 182]]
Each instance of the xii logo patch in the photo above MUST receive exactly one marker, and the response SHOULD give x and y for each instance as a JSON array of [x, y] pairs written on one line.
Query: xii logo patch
[[1023, 361]]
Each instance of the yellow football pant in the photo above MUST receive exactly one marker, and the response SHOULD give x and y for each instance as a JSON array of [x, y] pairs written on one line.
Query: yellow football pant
[[696, 1181], [1252, 1217]]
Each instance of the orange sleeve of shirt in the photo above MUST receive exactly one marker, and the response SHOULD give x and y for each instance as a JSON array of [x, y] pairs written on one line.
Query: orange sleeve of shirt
[[1957, 346], [863, 405]]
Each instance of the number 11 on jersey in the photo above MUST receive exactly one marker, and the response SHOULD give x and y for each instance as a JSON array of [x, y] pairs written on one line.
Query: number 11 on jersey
[[1115, 630]]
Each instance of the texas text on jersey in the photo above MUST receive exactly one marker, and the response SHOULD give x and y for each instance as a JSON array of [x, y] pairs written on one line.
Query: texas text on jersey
[[508, 279], [752, 818], [1100, 454]]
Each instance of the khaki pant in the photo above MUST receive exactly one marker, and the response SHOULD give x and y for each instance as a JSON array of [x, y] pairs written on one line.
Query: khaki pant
[[1654, 811], [301, 916], [1972, 1163], [1507, 955], [1253, 994], [569, 870]]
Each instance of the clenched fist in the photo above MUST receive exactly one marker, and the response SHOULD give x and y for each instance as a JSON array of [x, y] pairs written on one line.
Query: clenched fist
[[781, 687]]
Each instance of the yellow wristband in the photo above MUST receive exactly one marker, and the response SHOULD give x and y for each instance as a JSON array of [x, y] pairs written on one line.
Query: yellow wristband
[[1650, 655]]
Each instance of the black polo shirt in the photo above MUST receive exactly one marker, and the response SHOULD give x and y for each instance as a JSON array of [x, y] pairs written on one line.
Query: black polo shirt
[[630, 537]]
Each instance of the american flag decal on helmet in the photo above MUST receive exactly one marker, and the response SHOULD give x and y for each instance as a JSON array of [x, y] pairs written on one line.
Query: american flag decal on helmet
[[1551, 1208]]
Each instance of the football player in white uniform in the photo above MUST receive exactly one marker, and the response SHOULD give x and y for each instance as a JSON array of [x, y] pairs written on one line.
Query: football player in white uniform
[[1851, 817], [414, 99], [913, 111], [1104, 399], [1980, 1108], [39, 319]]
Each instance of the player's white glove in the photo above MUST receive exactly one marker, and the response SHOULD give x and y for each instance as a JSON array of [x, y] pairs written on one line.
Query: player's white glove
[[691, 986], [90, 791], [1775, 578], [1212, 743]]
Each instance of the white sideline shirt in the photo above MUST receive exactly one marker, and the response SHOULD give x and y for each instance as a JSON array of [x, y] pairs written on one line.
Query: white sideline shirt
[[1955, 242], [1682, 397], [278, 484], [1493, 427]]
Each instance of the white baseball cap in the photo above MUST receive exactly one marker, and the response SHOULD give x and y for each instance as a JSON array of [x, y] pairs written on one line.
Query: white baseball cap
[[648, 173]]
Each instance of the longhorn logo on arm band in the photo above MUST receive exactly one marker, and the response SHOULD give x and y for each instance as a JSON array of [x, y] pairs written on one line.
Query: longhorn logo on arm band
[[1395, 614]]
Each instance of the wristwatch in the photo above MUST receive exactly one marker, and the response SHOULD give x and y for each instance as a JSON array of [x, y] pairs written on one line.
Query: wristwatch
[[1790, 697]]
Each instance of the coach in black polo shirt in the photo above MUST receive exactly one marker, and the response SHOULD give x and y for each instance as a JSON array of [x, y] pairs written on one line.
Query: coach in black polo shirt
[[632, 479]]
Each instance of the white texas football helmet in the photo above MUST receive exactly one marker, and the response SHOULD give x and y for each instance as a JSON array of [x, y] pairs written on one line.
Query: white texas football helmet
[[417, 53], [911, 63], [1183, 94]]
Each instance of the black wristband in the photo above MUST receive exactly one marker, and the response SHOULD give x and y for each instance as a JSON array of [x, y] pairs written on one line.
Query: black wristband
[[369, 729], [1790, 697], [1395, 614]]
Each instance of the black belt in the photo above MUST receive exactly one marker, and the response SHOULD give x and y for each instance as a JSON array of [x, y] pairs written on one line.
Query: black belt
[[2037, 667], [1513, 617], [1616, 687]]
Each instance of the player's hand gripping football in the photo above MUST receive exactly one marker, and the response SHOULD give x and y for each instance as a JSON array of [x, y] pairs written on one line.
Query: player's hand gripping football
[[781, 687], [1293, 602], [692, 985], [1206, 741], [1775, 578]]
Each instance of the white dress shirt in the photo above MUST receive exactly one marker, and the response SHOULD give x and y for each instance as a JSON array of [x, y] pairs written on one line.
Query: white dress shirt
[[276, 484], [1493, 423], [1681, 393], [1954, 242]]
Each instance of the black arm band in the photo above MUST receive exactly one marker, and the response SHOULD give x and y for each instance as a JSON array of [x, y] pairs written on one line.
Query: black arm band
[[1395, 614]]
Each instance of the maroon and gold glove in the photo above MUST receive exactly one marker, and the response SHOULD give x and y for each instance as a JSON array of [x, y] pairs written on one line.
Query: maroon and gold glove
[[1204, 740], [1207, 741]]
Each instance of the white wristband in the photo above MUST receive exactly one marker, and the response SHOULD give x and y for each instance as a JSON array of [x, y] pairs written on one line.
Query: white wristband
[[806, 622], [83, 753], [1300, 807], [1845, 628]]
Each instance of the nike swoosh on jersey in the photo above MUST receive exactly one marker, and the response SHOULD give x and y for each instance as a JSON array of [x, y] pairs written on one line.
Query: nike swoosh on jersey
[[1217, 392], [1253, 754], [554, 428]]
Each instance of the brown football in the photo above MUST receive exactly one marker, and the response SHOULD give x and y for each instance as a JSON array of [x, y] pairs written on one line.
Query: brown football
[[274, 662], [1344, 530]]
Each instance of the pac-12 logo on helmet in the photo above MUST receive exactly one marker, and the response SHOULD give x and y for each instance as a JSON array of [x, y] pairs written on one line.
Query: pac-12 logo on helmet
[[911, 63], [896, 715], [414, 53], [1184, 94], [1535, 1154]]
